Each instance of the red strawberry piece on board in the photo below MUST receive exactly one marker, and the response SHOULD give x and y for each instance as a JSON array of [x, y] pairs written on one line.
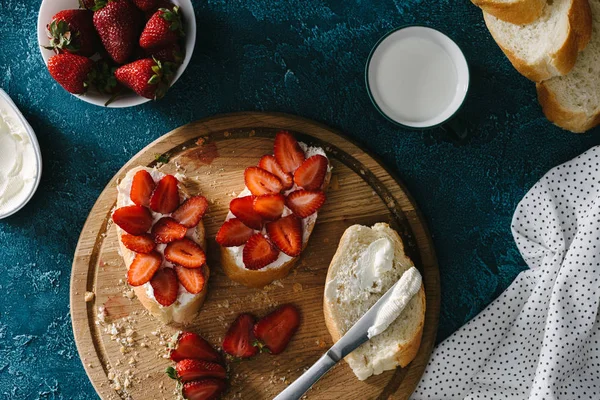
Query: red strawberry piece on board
[[286, 234], [192, 370], [165, 198], [148, 77], [167, 230], [145, 5], [269, 206], [259, 252], [233, 233], [140, 244], [191, 211], [185, 252], [191, 345], [166, 286], [261, 182], [288, 152], [143, 268], [135, 220], [269, 163], [173, 53], [239, 340], [192, 279], [163, 29], [142, 187], [118, 23], [305, 202], [72, 31], [203, 389], [311, 174], [71, 71], [243, 209], [275, 330]]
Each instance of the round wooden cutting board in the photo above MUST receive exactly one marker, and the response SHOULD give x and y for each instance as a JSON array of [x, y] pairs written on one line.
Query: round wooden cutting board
[[126, 350]]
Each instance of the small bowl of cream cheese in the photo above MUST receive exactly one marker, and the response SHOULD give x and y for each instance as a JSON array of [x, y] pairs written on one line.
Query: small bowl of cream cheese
[[20, 158]]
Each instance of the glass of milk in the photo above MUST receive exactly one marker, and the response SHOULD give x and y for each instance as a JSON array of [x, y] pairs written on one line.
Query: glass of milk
[[418, 78]]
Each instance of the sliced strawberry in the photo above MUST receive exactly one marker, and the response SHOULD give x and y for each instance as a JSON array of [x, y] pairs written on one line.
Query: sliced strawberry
[[276, 329], [192, 279], [186, 253], [135, 220], [269, 163], [239, 340], [259, 252], [203, 389], [142, 187], [311, 174], [167, 230], [143, 268], [243, 209], [261, 182], [191, 345], [288, 152], [165, 198], [233, 233], [305, 202], [191, 211], [192, 370], [286, 234], [140, 244], [269, 206], [165, 286]]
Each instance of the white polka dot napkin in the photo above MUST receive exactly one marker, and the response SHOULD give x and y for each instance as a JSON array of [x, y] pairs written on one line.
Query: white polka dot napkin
[[539, 339]]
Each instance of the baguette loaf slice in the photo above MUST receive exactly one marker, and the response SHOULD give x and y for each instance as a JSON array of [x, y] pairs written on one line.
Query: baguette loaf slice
[[347, 298], [548, 46], [514, 11], [573, 101]]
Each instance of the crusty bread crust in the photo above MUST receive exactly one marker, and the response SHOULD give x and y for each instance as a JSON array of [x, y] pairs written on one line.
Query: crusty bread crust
[[518, 12], [184, 314], [405, 353], [562, 61]]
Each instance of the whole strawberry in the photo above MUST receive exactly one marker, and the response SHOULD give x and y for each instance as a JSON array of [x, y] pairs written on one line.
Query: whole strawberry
[[159, 4], [163, 29], [102, 77], [118, 23], [173, 54], [72, 31], [148, 77], [71, 71], [145, 5]]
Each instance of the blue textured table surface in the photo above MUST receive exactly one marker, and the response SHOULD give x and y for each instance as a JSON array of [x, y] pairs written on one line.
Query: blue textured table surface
[[303, 57]]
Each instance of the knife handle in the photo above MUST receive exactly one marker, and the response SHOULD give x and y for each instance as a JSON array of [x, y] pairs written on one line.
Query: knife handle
[[309, 378]]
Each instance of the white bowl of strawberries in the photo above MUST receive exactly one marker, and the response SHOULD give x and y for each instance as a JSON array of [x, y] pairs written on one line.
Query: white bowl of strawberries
[[116, 53]]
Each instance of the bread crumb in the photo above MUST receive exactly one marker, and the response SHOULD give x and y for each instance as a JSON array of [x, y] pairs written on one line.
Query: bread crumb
[[89, 296], [297, 287]]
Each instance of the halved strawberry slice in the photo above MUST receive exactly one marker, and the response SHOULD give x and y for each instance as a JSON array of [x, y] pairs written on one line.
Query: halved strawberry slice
[[243, 209], [142, 187], [140, 244], [269, 163], [305, 202], [261, 182], [311, 174], [191, 345], [167, 230], [165, 198], [165, 286], [239, 340], [185, 252], [191, 211], [288, 152], [203, 389], [286, 234], [259, 252], [192, 370], [192, 279], [275, 330], [143, 268], [233, 233], [269, 206], [135, 220]]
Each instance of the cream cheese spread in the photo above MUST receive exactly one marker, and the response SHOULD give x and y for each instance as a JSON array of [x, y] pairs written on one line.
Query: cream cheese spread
[[377, 259]]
